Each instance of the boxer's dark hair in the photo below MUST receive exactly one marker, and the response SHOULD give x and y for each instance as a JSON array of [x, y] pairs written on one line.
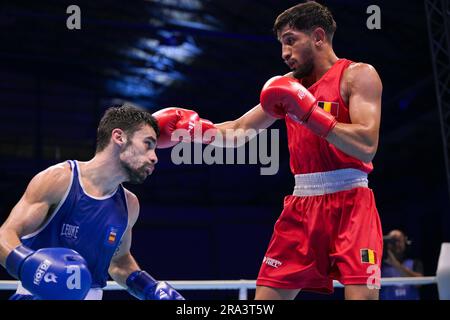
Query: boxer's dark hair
[[123, 116], [306, 17]]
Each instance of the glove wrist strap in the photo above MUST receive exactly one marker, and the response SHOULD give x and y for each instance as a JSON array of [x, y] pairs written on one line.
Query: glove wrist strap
[[138, 282], [15, 260], [321, 122]]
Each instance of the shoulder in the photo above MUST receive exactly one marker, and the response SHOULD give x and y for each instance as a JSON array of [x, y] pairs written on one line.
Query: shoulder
[[57, 176], [58, 171], [51, 183], [362, 78], [133, 205], [359, 71]]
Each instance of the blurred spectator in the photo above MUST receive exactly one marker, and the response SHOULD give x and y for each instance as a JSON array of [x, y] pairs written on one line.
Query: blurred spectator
[[396, 263]]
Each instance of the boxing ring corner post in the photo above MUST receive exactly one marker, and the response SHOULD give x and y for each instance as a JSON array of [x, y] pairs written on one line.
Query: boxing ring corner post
[[443, 272]]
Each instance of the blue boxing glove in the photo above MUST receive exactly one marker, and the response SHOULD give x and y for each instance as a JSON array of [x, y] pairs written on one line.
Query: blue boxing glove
[[142, 285], [50, 273]]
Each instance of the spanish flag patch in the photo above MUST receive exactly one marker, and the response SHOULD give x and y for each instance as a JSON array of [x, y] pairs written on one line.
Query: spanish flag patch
[[330, 107], [368, 256], [111, 236]]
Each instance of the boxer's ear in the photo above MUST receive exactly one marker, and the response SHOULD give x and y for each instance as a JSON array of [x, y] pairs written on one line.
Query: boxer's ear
[[118, 136]]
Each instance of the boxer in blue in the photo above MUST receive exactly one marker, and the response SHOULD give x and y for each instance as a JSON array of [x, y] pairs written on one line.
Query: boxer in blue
[[72, 227]]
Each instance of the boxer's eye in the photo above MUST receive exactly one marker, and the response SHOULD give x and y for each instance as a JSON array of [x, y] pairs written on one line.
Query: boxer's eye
[[289, 41], [150, 144]]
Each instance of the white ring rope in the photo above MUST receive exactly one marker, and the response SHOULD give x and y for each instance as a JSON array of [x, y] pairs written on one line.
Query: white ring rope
[[242, 285], [239, 284]]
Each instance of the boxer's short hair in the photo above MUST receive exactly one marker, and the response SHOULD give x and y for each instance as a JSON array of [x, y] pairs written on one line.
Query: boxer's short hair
[[305, 17], [124, 116]]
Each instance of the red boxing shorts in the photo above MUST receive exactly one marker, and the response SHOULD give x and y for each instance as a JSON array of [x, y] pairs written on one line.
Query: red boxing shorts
[[323, 235]]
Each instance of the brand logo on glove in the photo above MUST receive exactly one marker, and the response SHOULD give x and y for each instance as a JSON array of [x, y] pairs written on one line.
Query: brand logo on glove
[[191, 125], [50, 277], [301, 94], [40, 271]]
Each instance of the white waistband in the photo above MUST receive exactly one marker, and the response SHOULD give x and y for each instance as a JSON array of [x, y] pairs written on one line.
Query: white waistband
[[319, 183], [93, 294]]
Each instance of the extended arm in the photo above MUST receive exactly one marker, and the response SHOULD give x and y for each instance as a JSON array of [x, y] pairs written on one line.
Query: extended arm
[[177, 124], [239, 131]]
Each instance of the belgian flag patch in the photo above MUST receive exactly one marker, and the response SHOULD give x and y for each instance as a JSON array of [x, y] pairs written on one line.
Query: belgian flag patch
[[368, 256], [330, 107]]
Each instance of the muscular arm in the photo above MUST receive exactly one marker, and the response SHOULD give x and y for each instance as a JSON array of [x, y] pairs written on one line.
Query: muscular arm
[[244, 128], [44, 191], [360, 138], [123, 264]]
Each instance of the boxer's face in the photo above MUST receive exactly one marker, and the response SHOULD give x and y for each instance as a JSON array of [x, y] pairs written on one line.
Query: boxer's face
[[297, 51], [138, 157]]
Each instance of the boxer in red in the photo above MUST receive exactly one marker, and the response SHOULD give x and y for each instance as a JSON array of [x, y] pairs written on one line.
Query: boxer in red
[[329, 228]]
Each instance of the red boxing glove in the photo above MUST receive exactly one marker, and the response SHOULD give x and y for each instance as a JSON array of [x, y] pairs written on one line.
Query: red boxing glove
[[171, 119], [285, 95]]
